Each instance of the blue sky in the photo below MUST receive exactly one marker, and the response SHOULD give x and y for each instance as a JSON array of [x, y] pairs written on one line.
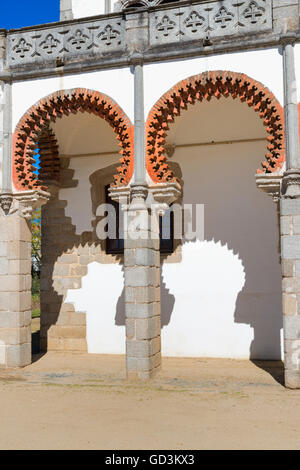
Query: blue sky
[[20, 13]]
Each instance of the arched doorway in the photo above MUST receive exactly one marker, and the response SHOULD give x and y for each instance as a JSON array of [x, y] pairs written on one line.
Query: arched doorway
[[224, 291], [78, 158]]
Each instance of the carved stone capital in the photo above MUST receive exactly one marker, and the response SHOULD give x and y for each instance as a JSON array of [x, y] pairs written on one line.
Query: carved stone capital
[[160, 194], [23, 203], [291, 184], [139, 191]]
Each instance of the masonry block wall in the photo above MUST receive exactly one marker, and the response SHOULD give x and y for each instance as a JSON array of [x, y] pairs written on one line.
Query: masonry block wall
[[285, 15], [290, 249], [15, 291]]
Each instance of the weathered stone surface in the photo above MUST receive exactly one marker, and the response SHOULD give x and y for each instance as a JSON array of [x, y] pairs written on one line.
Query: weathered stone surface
[[289, 304], [290, 247], [15, 336], [286, 227], [291, 325], [20, 302], [142, 294], [4, 301], [147, 328], [141, 276], [296, 224], [143, 363], [143, 348], [141, 257], [292, 354], [18, 355], [19, 250], [289, 206], [140, 310], [292, 378], [14, 319], [130, 328], [288, 268]]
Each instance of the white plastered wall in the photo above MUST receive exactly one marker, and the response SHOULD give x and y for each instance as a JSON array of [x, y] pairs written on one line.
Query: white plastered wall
[[1, 128], [264, 66], [116, 83], [79, 203]]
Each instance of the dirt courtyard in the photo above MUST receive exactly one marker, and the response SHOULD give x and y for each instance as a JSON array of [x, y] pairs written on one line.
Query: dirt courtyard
[[81, 401]]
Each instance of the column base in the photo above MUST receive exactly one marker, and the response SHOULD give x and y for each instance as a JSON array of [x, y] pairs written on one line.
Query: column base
[[142, 375], [18, 355], [292, 379]]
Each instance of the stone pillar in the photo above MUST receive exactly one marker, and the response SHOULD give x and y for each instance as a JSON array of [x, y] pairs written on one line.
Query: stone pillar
[[15, 290], [142, 288], [107, 6], [66, 11], [141, 256], [290, 225], [15, 276]]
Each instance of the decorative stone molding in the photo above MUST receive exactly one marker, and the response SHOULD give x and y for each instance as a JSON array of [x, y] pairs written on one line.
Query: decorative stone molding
[[33, 131], [161, 193], [6, 200], [206, 86], [24, 203], [270, 184], [64, 42], [226, 18], [107, 39], [291, 184]]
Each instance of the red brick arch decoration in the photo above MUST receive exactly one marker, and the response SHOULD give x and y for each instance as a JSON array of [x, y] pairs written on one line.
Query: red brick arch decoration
[[204, 87], [33, 131]]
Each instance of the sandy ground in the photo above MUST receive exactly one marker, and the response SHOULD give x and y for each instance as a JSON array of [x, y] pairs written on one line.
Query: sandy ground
[[81, 401]]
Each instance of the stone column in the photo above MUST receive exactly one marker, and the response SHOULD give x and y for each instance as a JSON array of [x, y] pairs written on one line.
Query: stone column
[[15, 276], [15, 290], [142, 288], [141, 257], [66, 10], [107, 6], [290, 225]]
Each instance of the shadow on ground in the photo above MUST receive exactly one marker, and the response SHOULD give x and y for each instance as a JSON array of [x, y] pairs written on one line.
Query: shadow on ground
[[274, 368]]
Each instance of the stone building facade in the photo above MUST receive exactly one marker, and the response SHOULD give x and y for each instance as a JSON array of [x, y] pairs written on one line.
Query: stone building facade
[[148, 106]]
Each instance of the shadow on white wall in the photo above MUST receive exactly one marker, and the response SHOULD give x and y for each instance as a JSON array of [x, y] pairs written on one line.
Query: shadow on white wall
[[98, 297], [201, 284]]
